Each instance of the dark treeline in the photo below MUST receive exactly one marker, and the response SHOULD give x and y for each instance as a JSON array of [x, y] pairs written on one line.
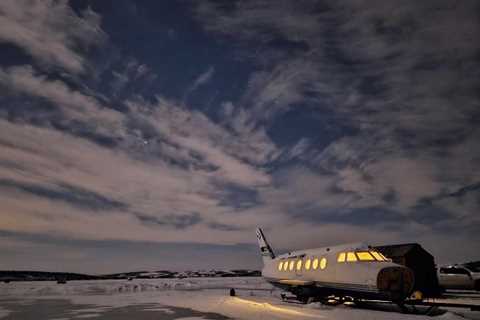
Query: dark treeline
[[12, 275]]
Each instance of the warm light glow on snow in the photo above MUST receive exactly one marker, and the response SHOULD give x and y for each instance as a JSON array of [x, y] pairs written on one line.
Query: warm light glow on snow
[[268, 306]]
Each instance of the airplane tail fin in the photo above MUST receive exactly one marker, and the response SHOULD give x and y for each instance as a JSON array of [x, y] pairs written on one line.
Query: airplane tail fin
[[265, 249]]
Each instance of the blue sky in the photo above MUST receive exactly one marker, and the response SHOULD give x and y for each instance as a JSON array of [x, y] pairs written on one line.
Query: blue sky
[[157, 135]]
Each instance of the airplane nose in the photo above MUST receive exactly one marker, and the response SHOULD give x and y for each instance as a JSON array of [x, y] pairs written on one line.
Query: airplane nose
[[397, 282]]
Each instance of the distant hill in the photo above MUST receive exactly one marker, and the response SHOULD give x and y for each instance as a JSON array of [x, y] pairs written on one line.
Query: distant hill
[[12, 275], [7, 276], [185, 274]]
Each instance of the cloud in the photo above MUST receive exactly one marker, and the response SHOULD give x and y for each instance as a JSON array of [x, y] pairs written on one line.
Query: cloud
[[358, 122], [125, 75], [50, 31], [237, 196], [73, 104], [225, 227], [232, 155], [49, 157], [53, 253], [203, 78], [70, 180], [261, 21], [120, 80], [276, 91], [403, 83], [75, 196], [178, 221]]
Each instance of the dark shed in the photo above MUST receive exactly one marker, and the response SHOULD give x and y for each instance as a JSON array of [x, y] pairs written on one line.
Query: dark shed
[[422, 263]]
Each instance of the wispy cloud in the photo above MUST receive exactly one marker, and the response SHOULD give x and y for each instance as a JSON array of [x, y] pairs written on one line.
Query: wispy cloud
[[74, 104], [172, 164], [50, 31], [387, 71], [79, 171], [75, 196], [351, 113], [203, 78], [195, 131]]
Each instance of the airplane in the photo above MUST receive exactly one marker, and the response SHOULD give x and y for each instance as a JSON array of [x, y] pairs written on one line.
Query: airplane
[[351, 272]]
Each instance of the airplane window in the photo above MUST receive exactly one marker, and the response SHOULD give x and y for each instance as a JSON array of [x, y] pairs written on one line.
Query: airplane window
[[364, 256], [315, 264], [341, 257], [285, 266], [323, 263], [280, 266], [292, 263], [377, 256], [307, 264], [299, 265], [351, 257]]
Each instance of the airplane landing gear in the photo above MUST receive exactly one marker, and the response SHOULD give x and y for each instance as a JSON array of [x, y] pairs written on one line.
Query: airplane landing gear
[[299, 299]]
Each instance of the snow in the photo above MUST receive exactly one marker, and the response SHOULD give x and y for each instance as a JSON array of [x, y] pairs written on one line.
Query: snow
[[3, 312], [255, 299]]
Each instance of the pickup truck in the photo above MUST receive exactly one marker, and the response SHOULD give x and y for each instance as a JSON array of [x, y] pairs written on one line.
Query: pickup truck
[[459, 277]]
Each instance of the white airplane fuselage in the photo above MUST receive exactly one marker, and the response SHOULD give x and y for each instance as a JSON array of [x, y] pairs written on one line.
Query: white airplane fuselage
[[352, 270]]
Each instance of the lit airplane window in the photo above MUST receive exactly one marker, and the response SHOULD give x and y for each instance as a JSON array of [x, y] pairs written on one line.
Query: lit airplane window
[[351, 257], [280, 266], [341, 257], [377, 256], [292, 263], [299, 265], [285, 266], [364, 256], [323, 263], [315, 264], [307, 264]]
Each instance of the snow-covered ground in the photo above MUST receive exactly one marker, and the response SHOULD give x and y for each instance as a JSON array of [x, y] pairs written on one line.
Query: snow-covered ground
[[190, 298]]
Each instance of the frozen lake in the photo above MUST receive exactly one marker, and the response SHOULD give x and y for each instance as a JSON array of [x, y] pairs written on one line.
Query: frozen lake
[[196, 298]]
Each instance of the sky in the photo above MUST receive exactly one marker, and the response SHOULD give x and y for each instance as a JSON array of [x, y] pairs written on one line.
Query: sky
[[150, 135]]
